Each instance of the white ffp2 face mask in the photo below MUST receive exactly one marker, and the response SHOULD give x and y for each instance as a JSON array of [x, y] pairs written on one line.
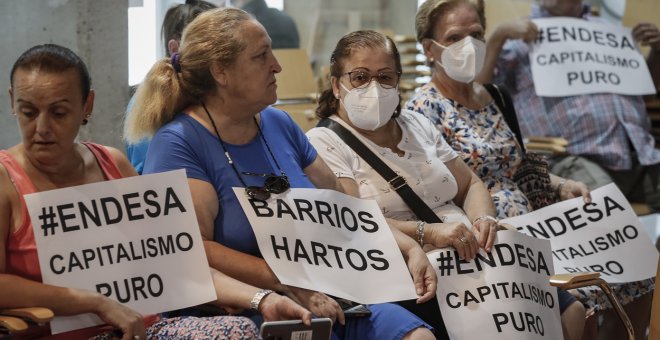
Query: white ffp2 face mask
[[371, 107], [464, 59]]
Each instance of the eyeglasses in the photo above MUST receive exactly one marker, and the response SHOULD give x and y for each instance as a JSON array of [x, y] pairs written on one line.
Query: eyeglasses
[[273, 184], [361, 79]]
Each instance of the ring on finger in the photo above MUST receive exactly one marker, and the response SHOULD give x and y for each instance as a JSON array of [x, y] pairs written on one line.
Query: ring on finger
[[463, 239]]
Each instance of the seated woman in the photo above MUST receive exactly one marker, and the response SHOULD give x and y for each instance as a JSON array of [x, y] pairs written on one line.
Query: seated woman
[[364, 73], [452, 35], [209, 106], [51, 98]]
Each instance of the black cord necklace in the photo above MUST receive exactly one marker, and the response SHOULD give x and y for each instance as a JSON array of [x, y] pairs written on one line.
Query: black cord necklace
[[228, 156]]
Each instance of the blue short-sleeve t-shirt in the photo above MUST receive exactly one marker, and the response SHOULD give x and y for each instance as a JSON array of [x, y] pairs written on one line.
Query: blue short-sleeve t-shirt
[[184, 143]]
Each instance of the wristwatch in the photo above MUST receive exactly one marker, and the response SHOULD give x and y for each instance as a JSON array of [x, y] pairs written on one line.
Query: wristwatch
[[256, 299]]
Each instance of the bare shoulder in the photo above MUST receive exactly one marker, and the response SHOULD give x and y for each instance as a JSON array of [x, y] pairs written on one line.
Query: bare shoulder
[[125, 167], [6, 190]]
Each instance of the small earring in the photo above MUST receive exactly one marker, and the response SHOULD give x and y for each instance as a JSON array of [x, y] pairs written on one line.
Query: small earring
[[336, 96], [85, 120], [431, 59]]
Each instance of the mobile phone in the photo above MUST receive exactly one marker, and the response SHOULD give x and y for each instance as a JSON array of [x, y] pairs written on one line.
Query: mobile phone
[[320, 329], [353, 310], [357, 312]]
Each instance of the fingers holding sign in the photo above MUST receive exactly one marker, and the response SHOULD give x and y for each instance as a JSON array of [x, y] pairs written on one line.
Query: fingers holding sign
[[318, 303], [647, 34], [127, 320], [485, 227], [454, 234], [426, 282], [522, 28]]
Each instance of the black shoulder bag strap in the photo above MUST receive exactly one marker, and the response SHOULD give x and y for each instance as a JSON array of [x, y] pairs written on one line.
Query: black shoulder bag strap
[[505, 104], [396, 182]]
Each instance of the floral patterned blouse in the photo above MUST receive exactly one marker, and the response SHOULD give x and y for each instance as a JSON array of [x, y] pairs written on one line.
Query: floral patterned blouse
[[484, 141]]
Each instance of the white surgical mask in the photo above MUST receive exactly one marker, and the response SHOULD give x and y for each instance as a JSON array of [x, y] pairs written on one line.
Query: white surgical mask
[[371, 107], [463, 59]]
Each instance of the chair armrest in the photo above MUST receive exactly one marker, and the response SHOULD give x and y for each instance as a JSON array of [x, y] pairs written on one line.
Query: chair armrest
[[39, 315], [574, 280], [577, 280], [12, 324]]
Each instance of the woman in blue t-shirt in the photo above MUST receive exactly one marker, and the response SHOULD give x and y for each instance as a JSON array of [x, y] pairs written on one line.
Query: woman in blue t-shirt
[[207, 108]]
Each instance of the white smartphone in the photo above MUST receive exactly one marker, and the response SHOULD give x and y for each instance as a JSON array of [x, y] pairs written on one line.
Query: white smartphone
[[320, 329]]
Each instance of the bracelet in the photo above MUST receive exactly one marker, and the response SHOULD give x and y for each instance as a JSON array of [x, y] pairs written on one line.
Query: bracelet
[[256, 299], [558, 190], [485, 217], [419, 232]]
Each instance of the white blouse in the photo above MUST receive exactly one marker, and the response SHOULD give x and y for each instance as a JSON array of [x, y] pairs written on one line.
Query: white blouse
[[422, 166]]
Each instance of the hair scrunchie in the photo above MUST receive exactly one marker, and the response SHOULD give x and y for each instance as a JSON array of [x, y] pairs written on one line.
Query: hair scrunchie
[[174, 60]]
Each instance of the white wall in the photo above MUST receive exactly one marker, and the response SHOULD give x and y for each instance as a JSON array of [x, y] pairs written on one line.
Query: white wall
[[95, 30]]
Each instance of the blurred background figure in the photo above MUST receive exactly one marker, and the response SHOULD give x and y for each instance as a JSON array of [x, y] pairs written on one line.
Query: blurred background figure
[[279, 25], [176, 19]]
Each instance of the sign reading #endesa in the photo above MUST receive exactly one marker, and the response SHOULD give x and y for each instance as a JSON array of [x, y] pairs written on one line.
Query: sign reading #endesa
[[135, 240], [572, 56]]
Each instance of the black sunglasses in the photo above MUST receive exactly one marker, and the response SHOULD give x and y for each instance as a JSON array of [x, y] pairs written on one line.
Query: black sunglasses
[[272, 185]]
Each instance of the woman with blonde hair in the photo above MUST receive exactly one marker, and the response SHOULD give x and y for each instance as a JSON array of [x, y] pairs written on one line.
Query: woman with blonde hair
[[208, 106]]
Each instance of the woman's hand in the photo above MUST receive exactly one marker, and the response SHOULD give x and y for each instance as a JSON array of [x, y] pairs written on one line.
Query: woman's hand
[[454, 234], [318, 303], [426, 282], [486, 231], [129, 321], [570, 189], [275, 307], [522, 28], [647, 34]]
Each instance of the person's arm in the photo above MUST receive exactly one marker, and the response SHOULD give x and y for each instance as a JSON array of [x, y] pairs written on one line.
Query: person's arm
[[475, 200], [439, 235], [18, 292], [567, 188], [322, 177], [647, 34], [247, 268], [124, 165], [243, 267], [235, 294], [521, 28], [423, 275]]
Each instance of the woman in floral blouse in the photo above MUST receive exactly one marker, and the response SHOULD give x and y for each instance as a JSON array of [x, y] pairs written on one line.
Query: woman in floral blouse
[[452, 35]]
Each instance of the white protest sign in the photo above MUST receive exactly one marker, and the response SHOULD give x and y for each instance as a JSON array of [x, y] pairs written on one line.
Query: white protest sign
[[602, 236], [572, 56], [504, 294], [135, 240], [330, 242]]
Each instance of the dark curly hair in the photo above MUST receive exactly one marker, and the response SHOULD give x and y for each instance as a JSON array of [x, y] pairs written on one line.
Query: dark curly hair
[[328, 104]]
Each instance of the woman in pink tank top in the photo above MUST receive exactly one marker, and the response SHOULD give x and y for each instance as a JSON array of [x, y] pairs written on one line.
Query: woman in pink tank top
[[51, 98]]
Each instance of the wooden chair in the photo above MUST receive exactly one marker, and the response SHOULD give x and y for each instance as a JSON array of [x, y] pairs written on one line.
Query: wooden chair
[[18, 323], [296, 88], [654, 325]]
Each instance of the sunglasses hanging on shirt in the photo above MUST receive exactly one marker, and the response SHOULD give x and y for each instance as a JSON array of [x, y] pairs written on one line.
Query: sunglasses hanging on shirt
[[273, 184]]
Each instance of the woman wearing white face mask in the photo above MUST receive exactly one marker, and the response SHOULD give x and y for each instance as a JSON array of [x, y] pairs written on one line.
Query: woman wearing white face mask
[[452, 34], [365, 69]]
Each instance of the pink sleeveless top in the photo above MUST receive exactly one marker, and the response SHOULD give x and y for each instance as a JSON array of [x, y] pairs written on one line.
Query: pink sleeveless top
[[21, 252]]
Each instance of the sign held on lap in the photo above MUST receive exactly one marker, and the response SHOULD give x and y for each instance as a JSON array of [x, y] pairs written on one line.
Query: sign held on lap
[[603, 236], [505, 292], [135, 240], [572, 56], [327, 241]]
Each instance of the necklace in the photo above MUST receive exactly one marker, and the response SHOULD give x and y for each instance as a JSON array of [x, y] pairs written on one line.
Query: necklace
[[228, 156]]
